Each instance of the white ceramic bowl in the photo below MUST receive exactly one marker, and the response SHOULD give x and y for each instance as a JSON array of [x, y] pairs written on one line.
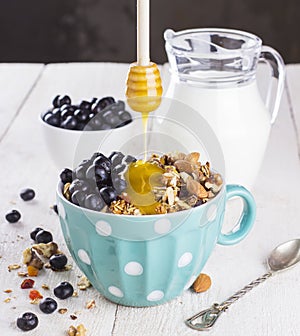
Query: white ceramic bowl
[[68, 148]]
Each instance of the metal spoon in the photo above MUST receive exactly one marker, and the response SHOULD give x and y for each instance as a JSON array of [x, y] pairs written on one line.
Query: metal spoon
[[281, 258]]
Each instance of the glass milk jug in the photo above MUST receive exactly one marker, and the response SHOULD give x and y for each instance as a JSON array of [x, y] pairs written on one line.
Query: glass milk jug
[[214, 71]]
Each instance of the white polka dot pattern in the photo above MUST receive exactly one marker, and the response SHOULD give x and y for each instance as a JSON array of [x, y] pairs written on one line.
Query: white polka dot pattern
[[103, 228], [211, 213], [185, 259], [61, 210], [162, 226], [133, 268], [156, 295], [115, 291], [84, 257]]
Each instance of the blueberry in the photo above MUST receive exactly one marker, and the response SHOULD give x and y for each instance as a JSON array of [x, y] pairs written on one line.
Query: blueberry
[[100, 104], [78, 197], [70, 123], [130, 158], [57, 112], [104, 162], [80, 126], [119, 184], [58, 261], [105, 127], [52, 120], [27, 321], [108, 194], [91, 115], [43, 236], [111, 118], [34, 233], [48, 112], [65, 114], [13, 216], [81, 170], [85, 105], [124, 116], [63, 290], [80, 185], [116, 158], [96, 123], [95, 155], [94, 202], [60, 100], [81, 115], [27, 194], [48, 305], [66, 176]]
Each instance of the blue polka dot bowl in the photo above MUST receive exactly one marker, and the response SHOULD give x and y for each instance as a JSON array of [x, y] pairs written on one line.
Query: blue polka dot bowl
[[148, 260]]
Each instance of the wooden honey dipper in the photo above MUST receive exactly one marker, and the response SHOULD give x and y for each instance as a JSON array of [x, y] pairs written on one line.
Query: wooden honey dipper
[[144, 87]]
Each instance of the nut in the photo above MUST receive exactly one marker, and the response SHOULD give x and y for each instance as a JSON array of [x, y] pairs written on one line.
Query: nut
[[202, 283], [79, 331], [184, 166], [195, 188], [31, 258], [46, 250], [193, 157], [83, 283]]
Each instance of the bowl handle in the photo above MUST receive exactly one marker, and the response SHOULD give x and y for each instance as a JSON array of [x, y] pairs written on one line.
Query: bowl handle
[[246, 219]]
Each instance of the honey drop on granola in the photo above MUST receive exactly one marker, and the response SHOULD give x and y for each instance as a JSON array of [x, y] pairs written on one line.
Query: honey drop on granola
[[141, 178]]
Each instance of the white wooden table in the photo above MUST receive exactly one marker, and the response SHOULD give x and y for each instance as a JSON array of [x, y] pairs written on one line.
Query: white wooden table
[[270, 310]]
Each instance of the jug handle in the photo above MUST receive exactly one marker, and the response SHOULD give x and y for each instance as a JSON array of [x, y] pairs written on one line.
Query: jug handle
[[272, 57]]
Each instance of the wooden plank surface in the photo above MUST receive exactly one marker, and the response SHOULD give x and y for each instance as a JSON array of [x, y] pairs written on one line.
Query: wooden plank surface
[[270, 310], [16, 82]]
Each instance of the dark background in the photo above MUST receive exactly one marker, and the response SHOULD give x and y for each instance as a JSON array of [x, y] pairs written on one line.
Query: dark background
[[104, 30]]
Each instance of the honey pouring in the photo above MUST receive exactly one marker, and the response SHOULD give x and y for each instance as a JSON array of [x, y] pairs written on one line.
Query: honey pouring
[[143, 92]]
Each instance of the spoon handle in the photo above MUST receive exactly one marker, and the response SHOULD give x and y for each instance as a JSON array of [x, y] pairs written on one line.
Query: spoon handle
[[225, 304], [209, 316]]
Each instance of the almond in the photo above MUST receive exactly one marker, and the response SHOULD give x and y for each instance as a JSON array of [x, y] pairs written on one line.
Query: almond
[[184, 166], [202, 283], [193, 157], [195, 188]]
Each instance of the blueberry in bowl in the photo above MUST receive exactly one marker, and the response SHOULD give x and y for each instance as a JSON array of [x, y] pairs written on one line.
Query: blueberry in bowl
[[72, 130]]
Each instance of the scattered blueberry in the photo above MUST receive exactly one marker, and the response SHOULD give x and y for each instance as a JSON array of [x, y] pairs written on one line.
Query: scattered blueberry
[[43, 236], [27, 321], [34, 233], [48, 305], [63, 290], [58, 261], [27, 194], [13, 216]]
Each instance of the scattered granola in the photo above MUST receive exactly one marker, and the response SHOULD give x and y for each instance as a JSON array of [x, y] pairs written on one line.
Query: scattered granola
[[7, 300], [91, 304], [46, 287], [13, 267], [84, 283], [7, 291], [79, 331], [73, 317], [202, 283], [62, 310]]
